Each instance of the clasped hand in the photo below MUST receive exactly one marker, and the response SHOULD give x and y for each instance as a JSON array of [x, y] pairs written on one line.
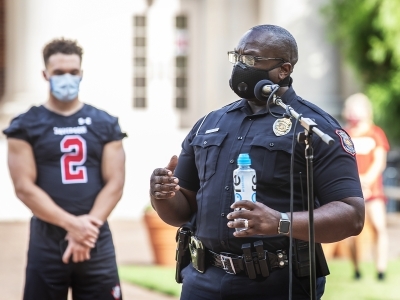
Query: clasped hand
[[81, 237]]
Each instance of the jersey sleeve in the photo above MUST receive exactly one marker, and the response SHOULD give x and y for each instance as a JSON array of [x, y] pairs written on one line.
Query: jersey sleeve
[[114, 132], [17, 129]]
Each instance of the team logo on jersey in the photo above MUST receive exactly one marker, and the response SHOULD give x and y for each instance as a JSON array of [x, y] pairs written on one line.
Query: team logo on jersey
[[282, 126], [346, 141], [69, 130], [83, 121], [116, 292]]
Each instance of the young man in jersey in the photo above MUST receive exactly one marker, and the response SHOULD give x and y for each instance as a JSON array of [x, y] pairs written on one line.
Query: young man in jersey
[[67, 164]]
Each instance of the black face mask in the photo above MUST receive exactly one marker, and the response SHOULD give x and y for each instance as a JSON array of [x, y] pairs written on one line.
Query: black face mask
[[244, 79]]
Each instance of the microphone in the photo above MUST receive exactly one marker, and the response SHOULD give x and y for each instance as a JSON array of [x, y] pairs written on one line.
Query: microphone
[[264, 89]]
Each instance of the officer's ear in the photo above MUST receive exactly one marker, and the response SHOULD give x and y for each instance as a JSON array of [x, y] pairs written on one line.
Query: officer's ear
[[285, 70]]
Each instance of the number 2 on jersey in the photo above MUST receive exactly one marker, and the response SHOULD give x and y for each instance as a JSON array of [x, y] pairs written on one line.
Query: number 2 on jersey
[[72, 168]]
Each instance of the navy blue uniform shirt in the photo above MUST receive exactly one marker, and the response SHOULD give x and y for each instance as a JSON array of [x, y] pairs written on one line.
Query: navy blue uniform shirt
[[68, 152], [209, 155]]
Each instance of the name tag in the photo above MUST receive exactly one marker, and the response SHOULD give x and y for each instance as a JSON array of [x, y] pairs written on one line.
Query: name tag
[[212, 130]]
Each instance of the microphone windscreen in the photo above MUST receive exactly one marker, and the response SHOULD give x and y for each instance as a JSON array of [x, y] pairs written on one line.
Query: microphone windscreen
[[258, 89]]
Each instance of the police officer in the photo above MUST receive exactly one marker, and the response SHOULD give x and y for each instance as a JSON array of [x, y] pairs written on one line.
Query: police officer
[[67, 164], [204, 174]]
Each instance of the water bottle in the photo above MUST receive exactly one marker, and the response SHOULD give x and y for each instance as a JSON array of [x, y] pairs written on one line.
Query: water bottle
[[244, 181]]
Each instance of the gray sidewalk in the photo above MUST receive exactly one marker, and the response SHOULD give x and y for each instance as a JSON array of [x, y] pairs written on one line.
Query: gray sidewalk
[[131, 242], [132, 247]]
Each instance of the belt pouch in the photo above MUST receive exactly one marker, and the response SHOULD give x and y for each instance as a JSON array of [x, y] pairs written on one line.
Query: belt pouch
[[248, 260], [197, 254], [261, 255], [302, 260]]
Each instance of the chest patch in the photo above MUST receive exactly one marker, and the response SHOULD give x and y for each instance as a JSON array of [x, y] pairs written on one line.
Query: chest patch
[[346, 141]]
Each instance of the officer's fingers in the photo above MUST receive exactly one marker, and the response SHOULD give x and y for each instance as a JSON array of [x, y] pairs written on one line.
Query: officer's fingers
[[244, 233], [247, 204], [161, 172], [165, 179], [240, 214], [172, 163], [166, 187], [164, 195]]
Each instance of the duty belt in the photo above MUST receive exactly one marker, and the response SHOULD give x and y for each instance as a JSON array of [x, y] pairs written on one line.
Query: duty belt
[[251, 263]]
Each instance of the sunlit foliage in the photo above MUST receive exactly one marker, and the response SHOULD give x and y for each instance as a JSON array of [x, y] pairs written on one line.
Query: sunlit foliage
[[368, 35]]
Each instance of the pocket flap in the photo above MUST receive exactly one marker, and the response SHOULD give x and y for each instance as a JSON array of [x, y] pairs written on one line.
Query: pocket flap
[[274, 143], [206, 140]]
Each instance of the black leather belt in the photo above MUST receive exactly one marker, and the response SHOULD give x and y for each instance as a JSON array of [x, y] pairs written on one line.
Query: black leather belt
[[236, 264]]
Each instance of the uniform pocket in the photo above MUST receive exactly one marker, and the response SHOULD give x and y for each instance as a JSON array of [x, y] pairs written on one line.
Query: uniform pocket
[[207, 148], [271, 158]]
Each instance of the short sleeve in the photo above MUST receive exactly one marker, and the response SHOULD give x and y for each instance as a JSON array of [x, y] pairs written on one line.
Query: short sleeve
[[114, 131], [186, 170], [17, 129], [335, 168]]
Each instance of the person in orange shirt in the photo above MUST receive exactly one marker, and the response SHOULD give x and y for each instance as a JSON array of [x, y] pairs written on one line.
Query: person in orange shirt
[[371, 147]]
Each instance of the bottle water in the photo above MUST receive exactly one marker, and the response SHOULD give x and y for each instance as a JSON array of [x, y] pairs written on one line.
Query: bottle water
[[244, 181]]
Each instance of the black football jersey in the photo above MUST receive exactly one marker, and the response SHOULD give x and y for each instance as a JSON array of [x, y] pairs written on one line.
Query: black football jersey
[[68, 152]]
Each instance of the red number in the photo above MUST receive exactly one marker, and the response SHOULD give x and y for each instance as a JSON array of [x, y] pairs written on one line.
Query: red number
[[72, 169]]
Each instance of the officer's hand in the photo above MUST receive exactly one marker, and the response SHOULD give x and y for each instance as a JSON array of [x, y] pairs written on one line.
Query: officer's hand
[[261, 219], [163, 184], [78, 251], [85, 230]]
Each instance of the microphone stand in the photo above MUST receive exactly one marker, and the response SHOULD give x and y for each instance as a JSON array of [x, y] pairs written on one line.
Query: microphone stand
[[306, 137]]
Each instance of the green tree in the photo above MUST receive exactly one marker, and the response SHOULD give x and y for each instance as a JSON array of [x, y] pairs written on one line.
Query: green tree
[[368, 35]]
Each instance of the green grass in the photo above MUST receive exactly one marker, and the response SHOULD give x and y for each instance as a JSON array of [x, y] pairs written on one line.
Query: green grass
[[340, 283], [157, 278]]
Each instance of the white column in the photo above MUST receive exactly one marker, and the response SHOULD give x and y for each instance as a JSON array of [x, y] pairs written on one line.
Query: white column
[[215, 27], [316, 75]]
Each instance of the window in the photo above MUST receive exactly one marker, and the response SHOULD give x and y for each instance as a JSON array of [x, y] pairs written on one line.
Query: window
[[2, 47], [181, 62], [139, 62]]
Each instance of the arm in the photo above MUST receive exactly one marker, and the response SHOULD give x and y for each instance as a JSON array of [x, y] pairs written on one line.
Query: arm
[[22, 166], [333, 222], [113, 172], [175, 205]]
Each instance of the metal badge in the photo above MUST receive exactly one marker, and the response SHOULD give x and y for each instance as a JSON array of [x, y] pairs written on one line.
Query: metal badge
[[282, 126]]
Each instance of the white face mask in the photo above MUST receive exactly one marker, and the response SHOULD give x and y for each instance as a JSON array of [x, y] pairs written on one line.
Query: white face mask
[[65, 87]]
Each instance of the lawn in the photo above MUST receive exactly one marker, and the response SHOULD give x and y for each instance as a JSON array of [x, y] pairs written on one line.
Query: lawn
[[161, 279], [340, 284]]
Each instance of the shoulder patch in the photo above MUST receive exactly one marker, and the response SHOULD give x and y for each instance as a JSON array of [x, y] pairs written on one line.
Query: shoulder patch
[[346, 141]]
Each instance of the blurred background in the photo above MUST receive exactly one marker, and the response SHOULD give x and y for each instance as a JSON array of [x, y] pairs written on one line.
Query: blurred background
[[160, 65]]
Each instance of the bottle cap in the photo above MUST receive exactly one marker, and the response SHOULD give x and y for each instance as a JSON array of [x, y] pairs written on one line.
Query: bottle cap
[[244, 159]]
